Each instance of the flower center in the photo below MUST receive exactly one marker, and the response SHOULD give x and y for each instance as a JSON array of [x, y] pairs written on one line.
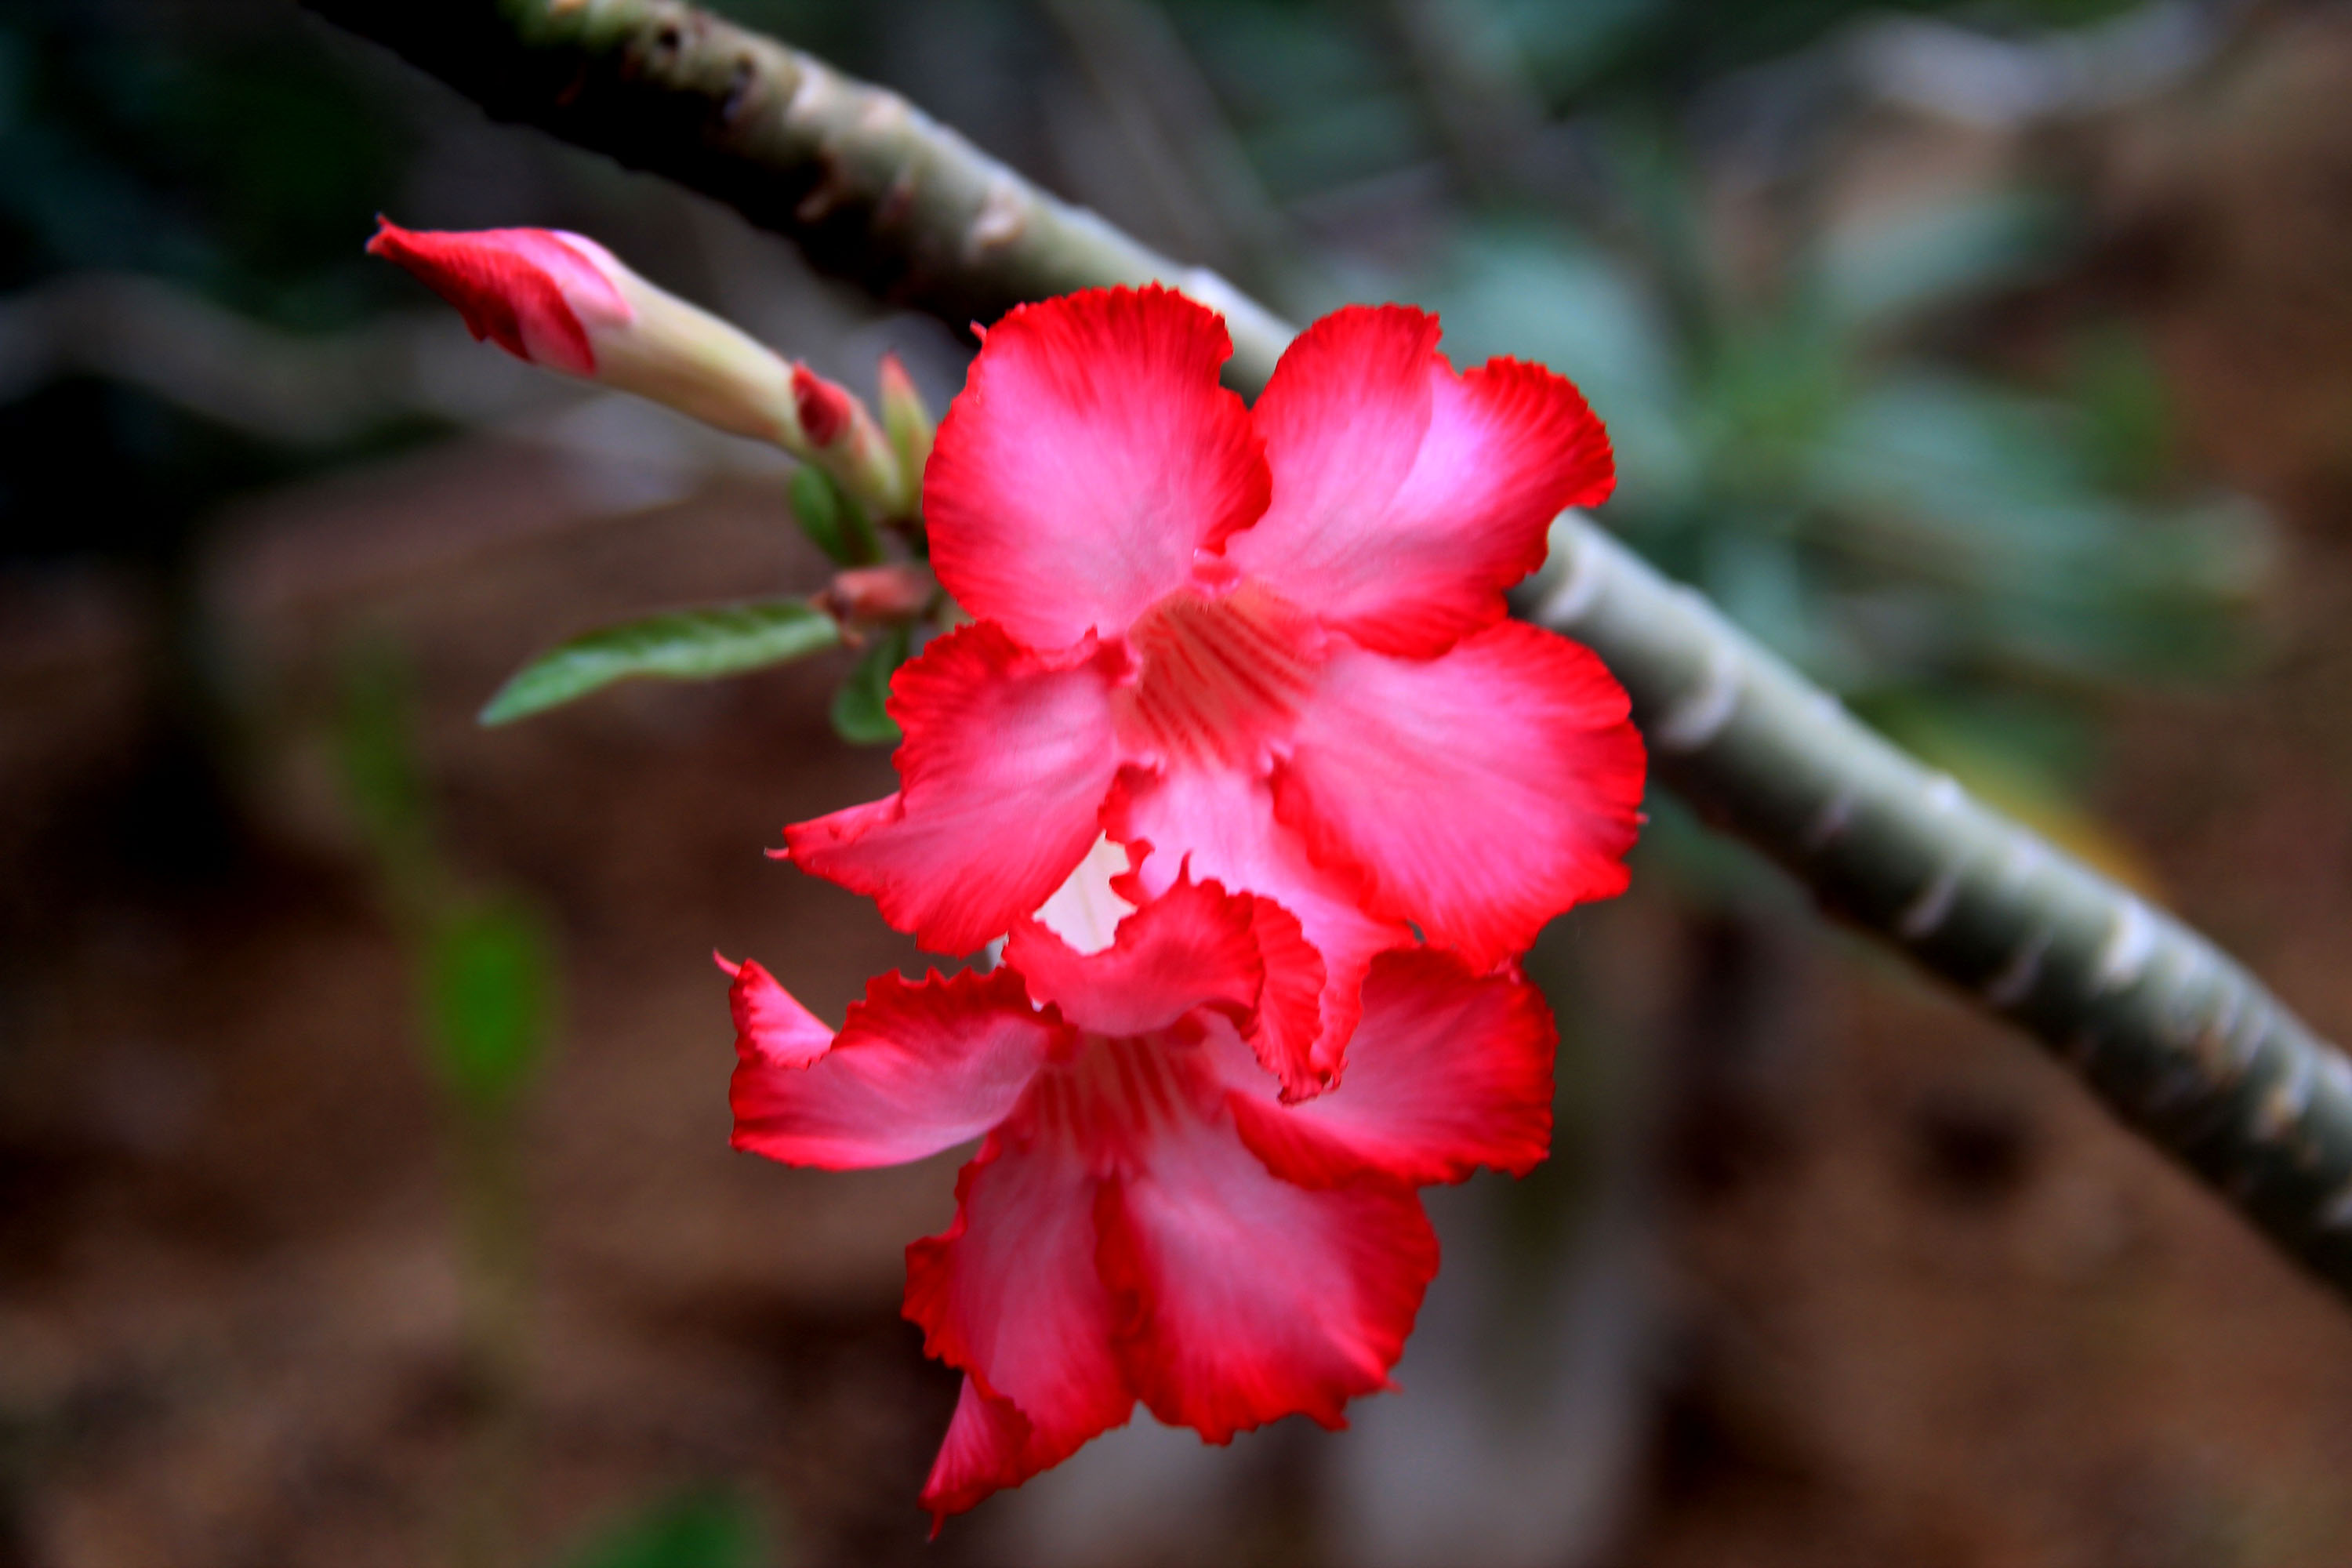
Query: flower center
[[1083, 911], [1221, 680], [1114, 1097]]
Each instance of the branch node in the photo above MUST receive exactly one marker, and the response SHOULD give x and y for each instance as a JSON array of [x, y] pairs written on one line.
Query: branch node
[[818, 205], [2283, 1106], [2130, 943], [2215, 1044], [1830, 821], [742, 84], [2015, 981], [1574, 594], [1001, 217], [1699, 716], [2337, 1214], [1920, 918]]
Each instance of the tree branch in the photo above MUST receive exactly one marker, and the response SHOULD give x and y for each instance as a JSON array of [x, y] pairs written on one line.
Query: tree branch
[[872, 188], [2181, 1043]]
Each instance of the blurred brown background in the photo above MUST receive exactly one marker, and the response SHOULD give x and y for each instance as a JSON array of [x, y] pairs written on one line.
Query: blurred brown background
[[1992, 361]]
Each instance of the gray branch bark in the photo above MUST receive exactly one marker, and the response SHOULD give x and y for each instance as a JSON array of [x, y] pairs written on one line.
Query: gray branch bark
[[2181, 1043], [870, 187]]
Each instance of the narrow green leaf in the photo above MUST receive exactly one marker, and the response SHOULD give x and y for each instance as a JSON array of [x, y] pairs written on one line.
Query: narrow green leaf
[[859, 714], [682, 645], [489, 980], [834, 522]]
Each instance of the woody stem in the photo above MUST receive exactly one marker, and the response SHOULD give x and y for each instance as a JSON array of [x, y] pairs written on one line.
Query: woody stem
[[2181, 1043]]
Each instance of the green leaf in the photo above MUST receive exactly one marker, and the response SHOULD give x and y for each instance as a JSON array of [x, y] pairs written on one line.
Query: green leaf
[[381, 783], [835, 524], [489, 979], [697, 1530], [2128, 418], [682, 645], [1886, 269], [859, 713]]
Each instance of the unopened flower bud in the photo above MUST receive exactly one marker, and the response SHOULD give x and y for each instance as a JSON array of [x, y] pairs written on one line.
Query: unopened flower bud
[[899, 592], [834, 426], [564, 301], [906, 421]]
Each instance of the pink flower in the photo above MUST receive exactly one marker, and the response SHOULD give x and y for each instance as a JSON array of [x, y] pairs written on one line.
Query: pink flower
[[1267, 641], [1145, 1219]]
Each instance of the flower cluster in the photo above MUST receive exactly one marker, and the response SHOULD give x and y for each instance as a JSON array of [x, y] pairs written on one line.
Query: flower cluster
[[1242, 759], [1239, 759]]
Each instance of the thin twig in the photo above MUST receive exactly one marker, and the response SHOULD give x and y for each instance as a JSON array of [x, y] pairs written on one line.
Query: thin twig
[[2181, 1043], [277, 386]]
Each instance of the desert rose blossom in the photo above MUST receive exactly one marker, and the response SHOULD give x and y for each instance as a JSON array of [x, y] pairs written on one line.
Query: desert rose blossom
[[1267, 641], [1145, 1218], [564, 301]]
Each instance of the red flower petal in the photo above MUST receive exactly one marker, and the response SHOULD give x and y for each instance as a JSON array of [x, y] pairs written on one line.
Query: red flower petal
[[918, 1068], [1447, 1071], [1482, 792], [770, 1025], [1002, 774], [1192, 947], [528, 290], [1287, 1032], [1009, 1293], [984, 1452], [1223, 826], [1247, 1299], [1091, 454], [1407, 498]]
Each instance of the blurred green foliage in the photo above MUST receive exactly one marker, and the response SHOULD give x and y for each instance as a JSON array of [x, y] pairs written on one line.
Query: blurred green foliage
[[383, 787], [860, 714], [834, 523], [694, 1529], [490, 982], [1904, 526], [218, 145], [485, 969]]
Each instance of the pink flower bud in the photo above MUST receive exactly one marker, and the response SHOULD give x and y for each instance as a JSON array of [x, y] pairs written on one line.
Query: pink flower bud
[[899, 592], [834, 426], [565, 302], [540, 294], [824, 408]]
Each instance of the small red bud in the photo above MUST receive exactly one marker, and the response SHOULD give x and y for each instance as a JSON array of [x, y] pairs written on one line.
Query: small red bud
[[899, 592], [823, 408]]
